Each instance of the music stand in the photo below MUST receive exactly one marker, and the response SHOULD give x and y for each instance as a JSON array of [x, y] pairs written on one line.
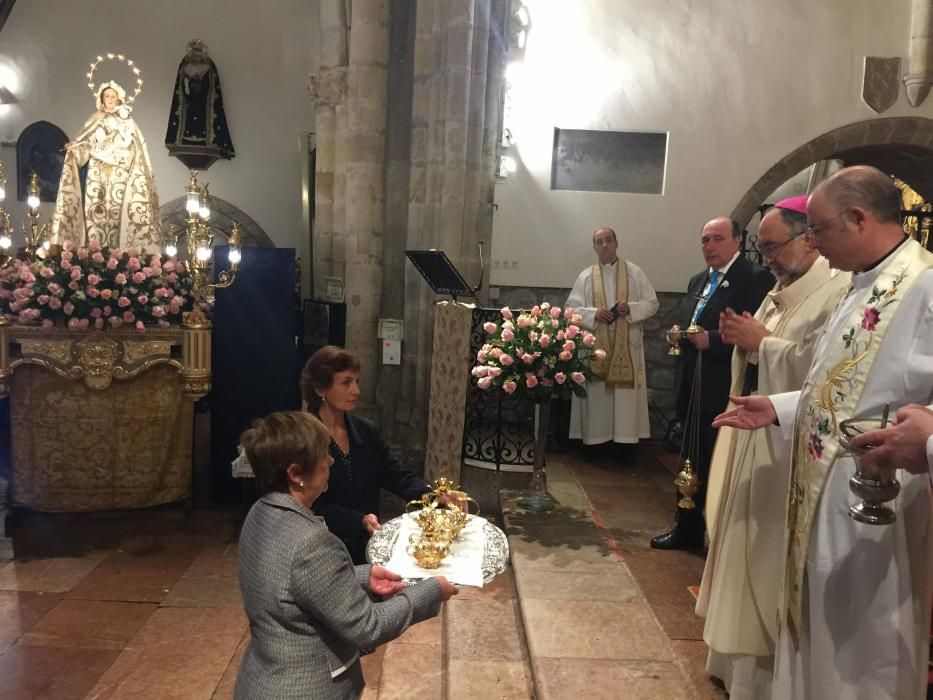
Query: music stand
[[440, 273]]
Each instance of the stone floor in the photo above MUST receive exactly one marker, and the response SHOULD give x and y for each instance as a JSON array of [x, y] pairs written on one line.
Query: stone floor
[[145, 605]]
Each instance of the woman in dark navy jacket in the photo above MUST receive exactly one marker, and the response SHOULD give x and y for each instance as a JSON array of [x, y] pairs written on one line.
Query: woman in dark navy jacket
[[363, 465]]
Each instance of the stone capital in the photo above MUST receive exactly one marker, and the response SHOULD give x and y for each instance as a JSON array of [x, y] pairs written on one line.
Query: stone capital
[[328, 87]]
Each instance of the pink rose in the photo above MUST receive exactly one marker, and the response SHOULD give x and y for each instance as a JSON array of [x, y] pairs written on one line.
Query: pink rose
[[112, 264], [83, 323], [578, 377], [544, 341], [26, 276], [506, 313], [92, 292], [528, 359], [96, 312], [545, 305], [47, 324], [480, 356], [568, 313], [572, 332], [535, 310], [99, 323], [55, 303], [76, 273], [140, 328], [505, 359], [43, 299], [67, 255], [128, 316], [168, 266], [870, 318], [576, 319], [172, 278], [133, 264], [67, 245], [494, 372], [106, 293], [46, 272], [569, 345], [479, 371], [93, 279], [555, 312], [107, 311], [560, 377], [94, 246], [561, 336], [531, 381], [115, 321], [588, 338], [532, 336], [142, 299], [555, 323], [566, 355], [65, 264], [158, 311], [147, 272], [68, 308], [73, 324], [73, 285], [484, 383], [599, 354], [509, 387], [123, 302], [116, 253], [490, 327], [507, 335], [82, 253], [495, 352], [97, 257], [139, 277], [120, 278]]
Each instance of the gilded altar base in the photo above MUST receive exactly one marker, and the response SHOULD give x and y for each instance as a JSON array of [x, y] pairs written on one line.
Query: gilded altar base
[[102, 420]]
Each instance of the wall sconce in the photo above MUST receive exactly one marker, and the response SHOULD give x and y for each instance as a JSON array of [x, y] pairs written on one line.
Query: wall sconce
[[201, 241]]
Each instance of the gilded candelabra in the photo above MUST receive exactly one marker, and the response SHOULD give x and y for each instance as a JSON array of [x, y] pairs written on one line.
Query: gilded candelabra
[[36, 236], [200, 247]]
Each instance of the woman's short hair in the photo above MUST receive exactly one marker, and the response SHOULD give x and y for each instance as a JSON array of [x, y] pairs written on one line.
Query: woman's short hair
[[319, 372], [280, 439]]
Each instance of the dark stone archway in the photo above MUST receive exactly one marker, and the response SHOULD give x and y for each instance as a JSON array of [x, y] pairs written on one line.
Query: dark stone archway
[[901, 146], [223, 216]]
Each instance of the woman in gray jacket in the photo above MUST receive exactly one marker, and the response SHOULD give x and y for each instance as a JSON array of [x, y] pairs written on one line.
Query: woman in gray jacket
[[310, 609]]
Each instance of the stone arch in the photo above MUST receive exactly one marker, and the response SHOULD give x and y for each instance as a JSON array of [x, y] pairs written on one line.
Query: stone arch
[[902, 146], [223, 216]]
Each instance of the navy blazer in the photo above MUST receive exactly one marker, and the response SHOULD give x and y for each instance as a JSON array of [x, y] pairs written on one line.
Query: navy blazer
[[742, 289], [347, 500]]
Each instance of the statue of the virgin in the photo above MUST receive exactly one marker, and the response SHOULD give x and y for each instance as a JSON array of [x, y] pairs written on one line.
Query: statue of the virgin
[[107, 191]]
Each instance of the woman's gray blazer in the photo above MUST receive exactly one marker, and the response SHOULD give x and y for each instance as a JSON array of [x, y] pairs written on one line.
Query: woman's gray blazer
[[308, 609]]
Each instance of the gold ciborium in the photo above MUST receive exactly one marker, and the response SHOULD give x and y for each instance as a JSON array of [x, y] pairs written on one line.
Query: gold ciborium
[[874, 487], [675, 336], [687, 484]]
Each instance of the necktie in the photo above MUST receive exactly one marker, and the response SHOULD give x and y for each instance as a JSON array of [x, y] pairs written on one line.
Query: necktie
[[714, 278]]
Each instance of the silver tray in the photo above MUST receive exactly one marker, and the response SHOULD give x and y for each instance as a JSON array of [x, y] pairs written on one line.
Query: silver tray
[[495, 550]]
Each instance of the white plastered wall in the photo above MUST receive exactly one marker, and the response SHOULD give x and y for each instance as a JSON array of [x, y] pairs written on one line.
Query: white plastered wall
[[737, 85]]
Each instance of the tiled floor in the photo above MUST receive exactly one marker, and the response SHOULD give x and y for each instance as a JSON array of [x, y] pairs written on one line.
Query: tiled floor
[[145, 605]]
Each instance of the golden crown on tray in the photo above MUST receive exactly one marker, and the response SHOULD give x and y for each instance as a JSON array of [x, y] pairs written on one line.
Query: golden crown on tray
[[440, 515]]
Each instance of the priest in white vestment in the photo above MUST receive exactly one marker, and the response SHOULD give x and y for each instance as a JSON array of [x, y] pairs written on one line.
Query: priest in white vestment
[[744, 514], [854, 616], [614, 298]]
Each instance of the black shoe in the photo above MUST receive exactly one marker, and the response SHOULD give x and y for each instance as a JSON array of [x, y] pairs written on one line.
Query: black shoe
[[679, 538]]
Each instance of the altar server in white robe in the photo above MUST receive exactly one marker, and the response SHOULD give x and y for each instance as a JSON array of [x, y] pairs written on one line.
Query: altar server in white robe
[[854, 615], [614, 298], [744, 511]]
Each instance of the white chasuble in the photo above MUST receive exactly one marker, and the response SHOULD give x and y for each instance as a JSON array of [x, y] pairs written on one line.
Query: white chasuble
[[745, 504], [856, 602], [607, 413]]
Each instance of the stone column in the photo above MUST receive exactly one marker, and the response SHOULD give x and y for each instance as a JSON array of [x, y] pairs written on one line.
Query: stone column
[[920, 76], [364, 216]]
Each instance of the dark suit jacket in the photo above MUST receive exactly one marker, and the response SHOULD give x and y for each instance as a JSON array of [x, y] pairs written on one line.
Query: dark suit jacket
[[742, 289], [308, 608], [347, 500]]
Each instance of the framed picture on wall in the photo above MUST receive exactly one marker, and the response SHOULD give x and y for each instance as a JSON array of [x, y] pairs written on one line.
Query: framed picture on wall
[[40, 149]]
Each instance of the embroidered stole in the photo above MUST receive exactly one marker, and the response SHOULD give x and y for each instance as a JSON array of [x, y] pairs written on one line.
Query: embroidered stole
[[617, 370], [831, 397]]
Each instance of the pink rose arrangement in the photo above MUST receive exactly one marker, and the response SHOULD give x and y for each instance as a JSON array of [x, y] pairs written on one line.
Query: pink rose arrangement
[[538, 353], [96, 287]]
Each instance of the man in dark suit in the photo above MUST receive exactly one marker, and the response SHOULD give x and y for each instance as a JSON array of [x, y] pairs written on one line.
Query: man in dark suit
[[729, 281]]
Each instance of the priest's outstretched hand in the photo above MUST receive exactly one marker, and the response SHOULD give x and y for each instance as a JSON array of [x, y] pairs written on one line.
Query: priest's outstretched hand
[[750, 412], [901, 446]]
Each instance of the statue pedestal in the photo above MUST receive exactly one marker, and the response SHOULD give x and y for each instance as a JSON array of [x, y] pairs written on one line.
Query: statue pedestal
[[101, 420]]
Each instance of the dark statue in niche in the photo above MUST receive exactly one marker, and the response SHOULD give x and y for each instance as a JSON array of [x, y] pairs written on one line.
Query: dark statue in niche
[[197, 127], [40, 149]]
